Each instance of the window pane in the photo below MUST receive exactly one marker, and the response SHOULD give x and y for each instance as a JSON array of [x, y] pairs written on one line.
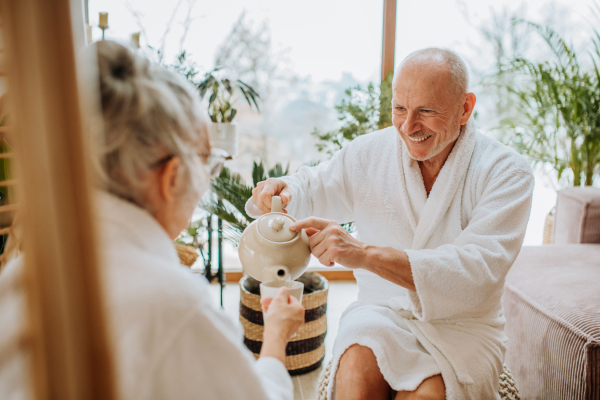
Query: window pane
[[300, 57]]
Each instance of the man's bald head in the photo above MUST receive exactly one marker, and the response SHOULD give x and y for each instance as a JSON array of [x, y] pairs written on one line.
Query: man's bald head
[[439, 59]]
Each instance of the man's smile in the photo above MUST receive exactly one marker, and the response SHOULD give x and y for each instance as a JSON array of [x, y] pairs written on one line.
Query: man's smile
[[419, 139]]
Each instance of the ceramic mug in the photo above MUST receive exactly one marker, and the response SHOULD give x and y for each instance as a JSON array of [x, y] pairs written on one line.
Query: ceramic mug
[[268, 290]]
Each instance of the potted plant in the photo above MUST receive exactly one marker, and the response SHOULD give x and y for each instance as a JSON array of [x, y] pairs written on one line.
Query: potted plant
[[555, 118], [222, 96]]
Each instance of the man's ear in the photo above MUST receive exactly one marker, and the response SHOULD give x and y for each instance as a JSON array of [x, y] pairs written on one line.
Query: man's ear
[[468, 107], [167, 180]]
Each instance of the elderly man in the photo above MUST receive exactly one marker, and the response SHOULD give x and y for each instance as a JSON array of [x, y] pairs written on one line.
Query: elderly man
[[441, 212]]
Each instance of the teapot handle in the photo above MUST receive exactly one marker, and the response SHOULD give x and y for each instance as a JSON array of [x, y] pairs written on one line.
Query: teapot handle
[[276, 204]]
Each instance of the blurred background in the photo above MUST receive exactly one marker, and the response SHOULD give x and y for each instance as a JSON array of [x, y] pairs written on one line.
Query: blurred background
[[316, 69]]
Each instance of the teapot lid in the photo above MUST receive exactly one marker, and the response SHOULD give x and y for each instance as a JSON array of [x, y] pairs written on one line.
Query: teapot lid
[[276, 227]]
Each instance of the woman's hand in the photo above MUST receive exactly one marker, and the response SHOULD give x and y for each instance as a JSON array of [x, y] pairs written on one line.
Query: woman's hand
[[262, 193], [331, 243], [283, 315]]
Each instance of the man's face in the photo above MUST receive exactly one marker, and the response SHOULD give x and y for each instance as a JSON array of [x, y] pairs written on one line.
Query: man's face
[[425, 112]]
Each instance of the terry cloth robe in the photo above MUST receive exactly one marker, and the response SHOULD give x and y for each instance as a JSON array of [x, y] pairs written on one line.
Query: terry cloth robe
[[169, 340], [461, 242]]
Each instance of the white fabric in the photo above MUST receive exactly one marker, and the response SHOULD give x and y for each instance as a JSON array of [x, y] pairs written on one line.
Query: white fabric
[[170, 341], [461, 242]]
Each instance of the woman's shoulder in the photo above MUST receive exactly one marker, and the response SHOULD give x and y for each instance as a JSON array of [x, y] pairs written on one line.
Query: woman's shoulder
[[146, 293]]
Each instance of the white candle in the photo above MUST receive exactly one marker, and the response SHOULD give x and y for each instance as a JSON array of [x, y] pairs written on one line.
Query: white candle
[[135, 40], [103, 20]]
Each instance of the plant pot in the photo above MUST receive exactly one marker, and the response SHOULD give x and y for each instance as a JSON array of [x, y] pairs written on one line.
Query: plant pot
[[223, 135], [306, 351], [187, 254]]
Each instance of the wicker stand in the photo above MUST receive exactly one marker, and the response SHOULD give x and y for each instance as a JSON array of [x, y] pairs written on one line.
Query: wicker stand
[[306, 351]]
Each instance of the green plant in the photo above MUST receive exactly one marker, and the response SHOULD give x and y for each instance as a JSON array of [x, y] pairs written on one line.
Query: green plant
[[556, 109], [229, 194], [221, 99], [362, 111], [222, 90]]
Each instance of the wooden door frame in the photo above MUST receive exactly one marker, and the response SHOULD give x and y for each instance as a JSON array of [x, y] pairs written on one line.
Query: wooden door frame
[[67, 335]]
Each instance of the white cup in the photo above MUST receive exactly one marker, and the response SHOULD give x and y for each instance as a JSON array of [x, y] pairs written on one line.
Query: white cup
[[269, 289]]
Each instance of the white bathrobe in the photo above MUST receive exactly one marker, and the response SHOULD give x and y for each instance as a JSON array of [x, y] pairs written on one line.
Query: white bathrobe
[[170, 341], [461, 242]]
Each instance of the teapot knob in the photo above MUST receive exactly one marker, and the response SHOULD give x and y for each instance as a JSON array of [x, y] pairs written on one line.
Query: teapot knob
[[278, 223]]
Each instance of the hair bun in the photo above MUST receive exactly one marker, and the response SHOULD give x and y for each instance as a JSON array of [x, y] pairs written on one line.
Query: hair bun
[[115, 61]]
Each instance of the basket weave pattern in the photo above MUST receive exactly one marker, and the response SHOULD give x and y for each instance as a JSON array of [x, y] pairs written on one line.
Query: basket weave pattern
[[306, 351], [508, 387]]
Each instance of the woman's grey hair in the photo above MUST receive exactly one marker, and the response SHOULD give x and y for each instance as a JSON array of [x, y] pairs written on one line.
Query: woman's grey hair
[[148, 113], [459, 73]]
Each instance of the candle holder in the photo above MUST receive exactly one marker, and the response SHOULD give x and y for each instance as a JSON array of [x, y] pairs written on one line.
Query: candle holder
[[103, 22], [103, 27]]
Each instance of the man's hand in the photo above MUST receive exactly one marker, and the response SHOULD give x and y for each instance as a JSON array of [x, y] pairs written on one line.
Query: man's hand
[[331, 243], [262, 193]]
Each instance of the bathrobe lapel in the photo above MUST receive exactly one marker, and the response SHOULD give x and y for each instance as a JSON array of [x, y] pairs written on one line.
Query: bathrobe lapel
[[451, 178], [411, 188]]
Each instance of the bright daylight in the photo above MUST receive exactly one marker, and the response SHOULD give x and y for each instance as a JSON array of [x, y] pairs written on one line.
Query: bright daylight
[[317, 200]]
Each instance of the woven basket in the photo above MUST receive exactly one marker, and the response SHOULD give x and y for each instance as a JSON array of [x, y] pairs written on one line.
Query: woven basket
[[508, 387], [306, 351], [187, 254]]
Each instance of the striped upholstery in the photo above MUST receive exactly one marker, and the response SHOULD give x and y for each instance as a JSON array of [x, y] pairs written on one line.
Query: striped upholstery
[[552, 306]]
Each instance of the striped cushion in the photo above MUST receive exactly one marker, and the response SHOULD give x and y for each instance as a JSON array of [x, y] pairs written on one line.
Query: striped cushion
[[552, 306]]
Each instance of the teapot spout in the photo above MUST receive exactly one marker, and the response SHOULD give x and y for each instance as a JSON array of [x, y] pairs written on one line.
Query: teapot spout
[[281, 273]]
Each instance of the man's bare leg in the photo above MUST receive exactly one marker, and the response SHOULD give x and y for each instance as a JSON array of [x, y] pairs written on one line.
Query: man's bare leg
[[358, 376], [432, 388]]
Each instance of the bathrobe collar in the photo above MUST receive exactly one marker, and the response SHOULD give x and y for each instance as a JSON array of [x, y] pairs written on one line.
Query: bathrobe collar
[[425, 213], [133, 226]]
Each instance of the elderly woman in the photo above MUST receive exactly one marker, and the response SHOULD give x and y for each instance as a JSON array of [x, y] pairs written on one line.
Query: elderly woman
[[170, 342]]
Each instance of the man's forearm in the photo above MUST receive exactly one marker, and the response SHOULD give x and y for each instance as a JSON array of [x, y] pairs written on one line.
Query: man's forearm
[[390, 264]]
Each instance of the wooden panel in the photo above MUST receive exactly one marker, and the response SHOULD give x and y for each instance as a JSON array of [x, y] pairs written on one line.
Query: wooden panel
[[9, 207], [8, 182], [389, 38], [68, 341], [331, 274]]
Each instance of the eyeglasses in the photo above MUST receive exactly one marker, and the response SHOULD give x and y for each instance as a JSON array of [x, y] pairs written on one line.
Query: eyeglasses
[[216, 161], [214, 164]]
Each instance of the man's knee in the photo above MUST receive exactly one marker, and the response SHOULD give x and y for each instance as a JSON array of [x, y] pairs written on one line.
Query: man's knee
[[432, 388], [358, 373]]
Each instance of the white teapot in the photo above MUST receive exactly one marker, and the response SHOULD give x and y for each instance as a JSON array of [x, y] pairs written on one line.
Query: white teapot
[[270, 251]]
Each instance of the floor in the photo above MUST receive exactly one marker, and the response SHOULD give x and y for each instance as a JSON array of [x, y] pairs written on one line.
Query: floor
[[341, 294]]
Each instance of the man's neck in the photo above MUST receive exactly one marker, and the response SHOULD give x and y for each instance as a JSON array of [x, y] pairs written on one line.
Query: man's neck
[[430, 169]]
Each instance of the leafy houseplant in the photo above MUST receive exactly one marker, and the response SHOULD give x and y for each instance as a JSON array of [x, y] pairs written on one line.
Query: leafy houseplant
[[223, 93], [557, 110], [221, 99], [363, 111]]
